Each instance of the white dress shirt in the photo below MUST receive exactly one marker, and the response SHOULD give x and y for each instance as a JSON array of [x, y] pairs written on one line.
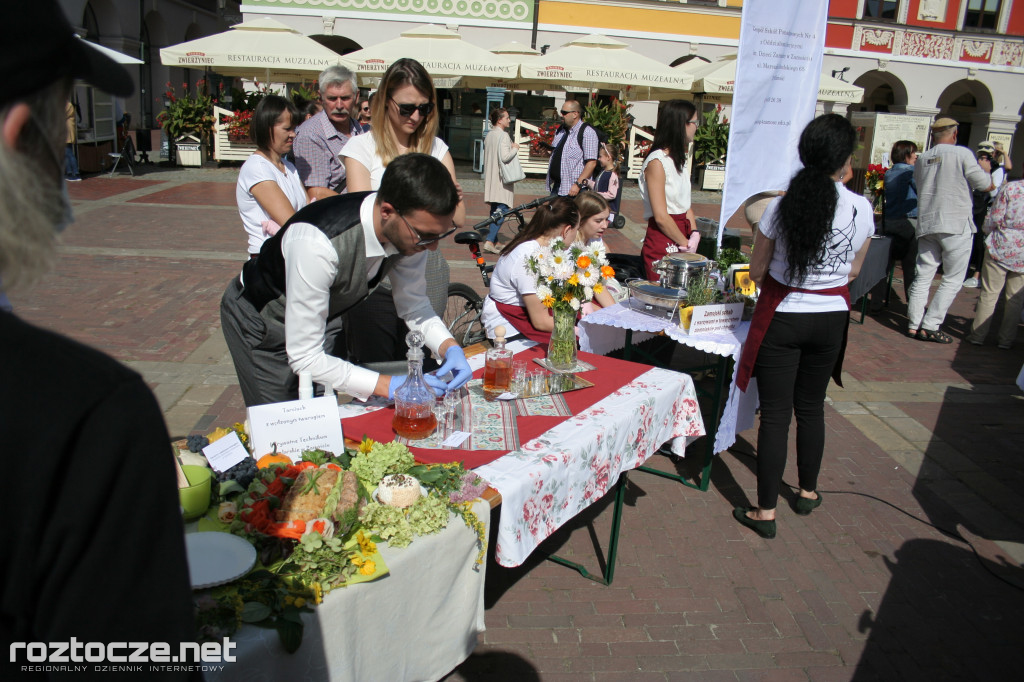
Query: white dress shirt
[[311, 264]]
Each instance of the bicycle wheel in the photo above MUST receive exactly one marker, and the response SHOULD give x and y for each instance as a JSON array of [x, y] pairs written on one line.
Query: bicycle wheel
[[462, 314]]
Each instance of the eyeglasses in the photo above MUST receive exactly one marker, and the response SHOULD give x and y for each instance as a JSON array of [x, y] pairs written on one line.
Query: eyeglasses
[[566, 113], [407, 108], [426, 241], [695, 122]]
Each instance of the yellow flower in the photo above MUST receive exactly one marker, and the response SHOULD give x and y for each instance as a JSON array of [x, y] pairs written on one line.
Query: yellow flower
[[366, 445], [366, 545], [548, 301], [318, 593], [300, 602], [368, 568], [598, 288], [574, 280], [567, 297], [217, 434], [289, 599]]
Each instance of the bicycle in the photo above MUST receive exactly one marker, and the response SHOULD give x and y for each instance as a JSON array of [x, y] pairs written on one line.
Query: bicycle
[[464, 306]]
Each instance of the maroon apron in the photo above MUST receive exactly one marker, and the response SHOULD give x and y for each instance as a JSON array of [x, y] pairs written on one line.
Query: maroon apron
[[518, 318], [656, 244], [772, 294]]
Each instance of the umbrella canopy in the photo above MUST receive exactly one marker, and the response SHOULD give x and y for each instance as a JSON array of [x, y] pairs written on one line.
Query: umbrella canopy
[[443, 53], [718, 78], [514, 47], [599, 62], [263, 49]]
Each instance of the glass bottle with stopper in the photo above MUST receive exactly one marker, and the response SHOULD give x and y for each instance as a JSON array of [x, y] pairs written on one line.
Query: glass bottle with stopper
[[497, 366], [414, 400]]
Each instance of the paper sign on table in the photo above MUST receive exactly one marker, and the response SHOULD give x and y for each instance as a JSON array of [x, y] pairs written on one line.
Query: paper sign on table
[[719, 317], [226, 452], [296, 426]]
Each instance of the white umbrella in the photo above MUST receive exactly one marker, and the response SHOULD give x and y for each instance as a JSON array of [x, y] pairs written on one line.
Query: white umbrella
[[718, 78], [599, 62], [514, 47], [263, 49], [119, 57], [443, 53]]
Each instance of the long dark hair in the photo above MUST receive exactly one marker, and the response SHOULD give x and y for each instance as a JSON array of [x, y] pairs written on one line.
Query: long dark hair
[[265, 117], [561, 211], [809, 205], [671, 131]]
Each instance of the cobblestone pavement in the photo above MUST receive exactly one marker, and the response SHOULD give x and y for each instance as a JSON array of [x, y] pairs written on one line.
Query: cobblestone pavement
[[923, 444]]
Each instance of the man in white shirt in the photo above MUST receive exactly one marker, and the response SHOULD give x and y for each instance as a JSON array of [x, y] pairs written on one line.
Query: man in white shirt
[[329, 257], [945, 176]]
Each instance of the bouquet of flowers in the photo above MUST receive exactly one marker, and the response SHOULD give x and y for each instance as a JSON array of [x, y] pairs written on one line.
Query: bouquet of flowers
[[567, 277], [540, 141], [874, 182]]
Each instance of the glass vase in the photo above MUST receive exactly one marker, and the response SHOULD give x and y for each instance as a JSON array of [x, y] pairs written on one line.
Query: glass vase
[[562, 346]]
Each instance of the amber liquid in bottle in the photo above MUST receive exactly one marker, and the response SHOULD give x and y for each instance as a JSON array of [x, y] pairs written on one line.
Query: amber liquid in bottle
[[414, 428], [497, 377]]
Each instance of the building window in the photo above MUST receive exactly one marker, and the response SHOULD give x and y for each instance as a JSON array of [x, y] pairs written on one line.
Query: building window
[[982, 14], [881, 9]]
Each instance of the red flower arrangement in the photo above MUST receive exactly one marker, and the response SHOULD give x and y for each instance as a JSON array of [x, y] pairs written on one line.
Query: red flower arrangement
[[238, 126], [541, 141]]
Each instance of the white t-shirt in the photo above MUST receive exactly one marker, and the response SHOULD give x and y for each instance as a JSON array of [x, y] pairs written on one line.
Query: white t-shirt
[[852, 225], [677, 185], [255, 170], [510, 281], [363, 148]]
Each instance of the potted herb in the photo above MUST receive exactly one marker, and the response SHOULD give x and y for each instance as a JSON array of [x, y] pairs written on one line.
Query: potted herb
[[189, 114], [711, 144]]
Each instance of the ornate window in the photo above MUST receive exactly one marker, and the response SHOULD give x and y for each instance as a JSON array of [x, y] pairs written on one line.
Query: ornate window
[[983, 14]]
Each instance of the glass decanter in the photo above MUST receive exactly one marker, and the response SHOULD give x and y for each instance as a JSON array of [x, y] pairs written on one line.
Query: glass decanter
[[414, 400], [497, 366]]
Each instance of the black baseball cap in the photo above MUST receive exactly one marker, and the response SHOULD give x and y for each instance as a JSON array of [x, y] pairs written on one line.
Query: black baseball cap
[[38, 47]]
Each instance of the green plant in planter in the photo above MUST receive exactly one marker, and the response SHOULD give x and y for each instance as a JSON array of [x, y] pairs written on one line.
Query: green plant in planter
[[192, 113], [711, 142], [611, 119]]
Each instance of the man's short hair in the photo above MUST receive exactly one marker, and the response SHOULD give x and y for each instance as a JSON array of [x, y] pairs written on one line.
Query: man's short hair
[[336, 75], [578, 107], [418, 182]]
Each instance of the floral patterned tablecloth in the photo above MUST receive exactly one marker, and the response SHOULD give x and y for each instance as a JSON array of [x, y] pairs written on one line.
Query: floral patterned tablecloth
[[557, 475], [605, 331]]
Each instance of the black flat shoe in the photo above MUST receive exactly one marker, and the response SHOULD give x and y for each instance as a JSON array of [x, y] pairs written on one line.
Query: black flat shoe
[[765, 529], [805, 505]]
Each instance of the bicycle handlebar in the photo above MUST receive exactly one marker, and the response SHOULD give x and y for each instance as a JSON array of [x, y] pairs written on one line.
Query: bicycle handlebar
[[518, 209]]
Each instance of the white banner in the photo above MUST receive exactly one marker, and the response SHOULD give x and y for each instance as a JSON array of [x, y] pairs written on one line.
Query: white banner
[[777, 72]]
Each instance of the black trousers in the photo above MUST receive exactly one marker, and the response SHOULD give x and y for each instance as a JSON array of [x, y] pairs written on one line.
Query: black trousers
[[794, 365]]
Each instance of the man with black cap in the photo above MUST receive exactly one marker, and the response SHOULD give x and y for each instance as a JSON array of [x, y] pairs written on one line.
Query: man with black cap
[[945, 176], [94, 548]]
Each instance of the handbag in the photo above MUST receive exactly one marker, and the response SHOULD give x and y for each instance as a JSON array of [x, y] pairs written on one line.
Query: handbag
[[511, 172]]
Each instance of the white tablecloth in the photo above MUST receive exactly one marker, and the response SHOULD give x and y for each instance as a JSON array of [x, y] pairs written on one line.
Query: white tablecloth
[[552, 478], [417, 623], [605, 330]]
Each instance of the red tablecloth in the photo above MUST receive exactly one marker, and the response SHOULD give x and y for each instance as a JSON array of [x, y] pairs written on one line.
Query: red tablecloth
[[610, 374]]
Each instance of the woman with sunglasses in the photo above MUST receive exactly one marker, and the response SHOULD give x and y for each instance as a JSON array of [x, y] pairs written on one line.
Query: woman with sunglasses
[[665, 186], [405, 119], [808, 246]]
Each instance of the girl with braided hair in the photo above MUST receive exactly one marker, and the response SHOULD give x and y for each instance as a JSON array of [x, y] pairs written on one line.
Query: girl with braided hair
[[809, 245]]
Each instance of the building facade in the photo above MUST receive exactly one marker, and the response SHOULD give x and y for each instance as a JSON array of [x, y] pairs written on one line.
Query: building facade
[[964, 58]]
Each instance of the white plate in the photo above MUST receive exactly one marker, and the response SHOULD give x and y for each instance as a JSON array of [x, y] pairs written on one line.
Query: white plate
[[216, 558]]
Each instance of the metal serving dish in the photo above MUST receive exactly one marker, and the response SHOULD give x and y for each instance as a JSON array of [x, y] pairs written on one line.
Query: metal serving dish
[[653, 299], [675, 269]]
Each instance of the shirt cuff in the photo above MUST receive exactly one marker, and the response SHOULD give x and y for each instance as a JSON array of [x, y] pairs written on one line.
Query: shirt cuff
[[361, 383]]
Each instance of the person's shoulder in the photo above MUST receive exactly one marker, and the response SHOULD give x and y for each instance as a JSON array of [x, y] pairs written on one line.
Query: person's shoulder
[[438, 148], [33, 357], [359, 144]]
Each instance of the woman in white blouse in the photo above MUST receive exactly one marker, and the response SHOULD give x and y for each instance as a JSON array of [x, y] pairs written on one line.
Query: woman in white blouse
[[269, 190], [665, 186], [405, 119]]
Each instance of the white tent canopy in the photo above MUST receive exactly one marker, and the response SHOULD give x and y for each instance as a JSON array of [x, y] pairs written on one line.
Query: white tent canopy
[[263, 49], [443, 53], [719, 77], [599, 62]]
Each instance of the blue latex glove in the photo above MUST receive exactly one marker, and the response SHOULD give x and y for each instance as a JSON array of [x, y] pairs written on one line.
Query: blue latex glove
[[393, 385], [456, 363]]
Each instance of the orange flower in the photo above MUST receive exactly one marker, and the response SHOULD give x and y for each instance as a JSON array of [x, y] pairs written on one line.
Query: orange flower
[[583, 262], [607, 271]]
